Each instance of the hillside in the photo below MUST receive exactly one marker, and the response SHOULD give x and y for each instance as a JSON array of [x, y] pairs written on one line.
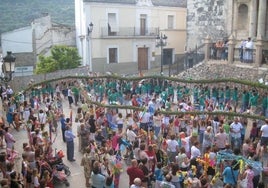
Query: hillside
[[19, 13]]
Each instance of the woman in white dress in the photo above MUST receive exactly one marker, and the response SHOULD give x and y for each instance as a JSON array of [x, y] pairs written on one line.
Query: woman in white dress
[[26, 112], [208, 138]]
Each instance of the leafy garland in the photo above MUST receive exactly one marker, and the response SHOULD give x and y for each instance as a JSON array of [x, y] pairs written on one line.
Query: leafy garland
[[116, 77], [174, 79], [194, 113]]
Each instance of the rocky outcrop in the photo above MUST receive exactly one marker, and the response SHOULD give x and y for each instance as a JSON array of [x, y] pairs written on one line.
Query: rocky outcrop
[[221, 69]]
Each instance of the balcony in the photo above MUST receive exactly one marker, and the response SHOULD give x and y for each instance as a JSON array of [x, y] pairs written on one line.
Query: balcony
[[128, 32]]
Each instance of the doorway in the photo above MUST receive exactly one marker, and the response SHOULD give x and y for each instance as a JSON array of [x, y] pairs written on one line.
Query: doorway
[[167, 56], [143, 59]]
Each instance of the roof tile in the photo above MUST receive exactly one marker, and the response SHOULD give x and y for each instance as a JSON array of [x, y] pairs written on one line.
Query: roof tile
[[170, 3]]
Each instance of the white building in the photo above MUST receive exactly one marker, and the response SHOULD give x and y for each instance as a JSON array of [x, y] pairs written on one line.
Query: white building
[[29, 42], [124, 33]]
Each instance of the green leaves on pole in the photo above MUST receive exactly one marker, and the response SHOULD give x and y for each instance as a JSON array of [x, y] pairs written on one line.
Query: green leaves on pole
[[190, 81]]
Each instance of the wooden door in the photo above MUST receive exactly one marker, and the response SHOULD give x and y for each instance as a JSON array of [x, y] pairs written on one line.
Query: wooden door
[[142, 59]]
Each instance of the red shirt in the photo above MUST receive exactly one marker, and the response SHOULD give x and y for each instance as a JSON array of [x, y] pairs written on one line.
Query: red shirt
[[134, 102], [115, 141], [134, 172], [176, 122], [151, 154]]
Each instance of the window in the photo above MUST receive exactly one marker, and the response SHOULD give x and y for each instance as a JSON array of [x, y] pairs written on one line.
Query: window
[[143, 20], [112, 24], [170, 22], [242, 17], [113, 55]]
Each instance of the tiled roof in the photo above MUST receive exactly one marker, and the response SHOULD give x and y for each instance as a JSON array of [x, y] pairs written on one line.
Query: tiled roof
[[170, 3], [113, 1]]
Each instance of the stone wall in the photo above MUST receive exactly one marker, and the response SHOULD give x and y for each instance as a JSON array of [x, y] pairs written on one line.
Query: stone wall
[[20, 83], [205, 18], [204, 70], [25, 59], [221, 69]]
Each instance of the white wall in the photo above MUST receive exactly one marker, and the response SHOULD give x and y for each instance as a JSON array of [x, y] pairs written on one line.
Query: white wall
[[63, 36], [17, 41], [43, 37], [128, 18]]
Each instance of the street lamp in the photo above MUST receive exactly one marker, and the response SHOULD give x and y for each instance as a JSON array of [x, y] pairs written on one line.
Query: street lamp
[[89, 31], [8, 67], [161, 41]]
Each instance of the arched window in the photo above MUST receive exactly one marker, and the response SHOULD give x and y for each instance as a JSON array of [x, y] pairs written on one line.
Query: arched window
[[242, 17]]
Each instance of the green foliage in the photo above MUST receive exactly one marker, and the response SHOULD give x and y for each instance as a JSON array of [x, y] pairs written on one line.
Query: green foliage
[[63, 57], [225, 80], [45, 65]]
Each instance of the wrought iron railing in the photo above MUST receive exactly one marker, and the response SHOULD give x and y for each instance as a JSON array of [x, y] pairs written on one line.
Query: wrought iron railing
[[187, 60], [244, 55], [218, 53], [265, 56], [129, 31]]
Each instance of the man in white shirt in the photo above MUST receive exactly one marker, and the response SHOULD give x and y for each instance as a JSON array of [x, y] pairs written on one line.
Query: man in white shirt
[[172, 148], [144, 120], [70, 97], [9, 92], [221, 139], [248, 54], [236, 128], [264, 133], [42, 117], [131, 135], [195, 151], [152, 106]]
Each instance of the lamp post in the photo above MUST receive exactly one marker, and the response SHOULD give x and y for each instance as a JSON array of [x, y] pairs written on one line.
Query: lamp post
[[161, 41], [89, 31], [8, 67]]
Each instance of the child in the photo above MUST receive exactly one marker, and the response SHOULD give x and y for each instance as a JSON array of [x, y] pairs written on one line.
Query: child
[[254, 131], [158, 175], [246, 147], [36, 178]]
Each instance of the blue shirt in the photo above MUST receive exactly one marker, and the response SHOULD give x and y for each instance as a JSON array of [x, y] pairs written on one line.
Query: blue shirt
[[98, 180], [243, 131], [63, 123], [69, 136], [229, 177], [158, 174]]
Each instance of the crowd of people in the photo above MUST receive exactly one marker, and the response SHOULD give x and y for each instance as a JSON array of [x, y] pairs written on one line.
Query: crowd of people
[[158, 149]]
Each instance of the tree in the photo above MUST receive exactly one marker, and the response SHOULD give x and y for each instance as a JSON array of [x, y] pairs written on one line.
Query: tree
[[45, 65], [62, 57], [66, 57]]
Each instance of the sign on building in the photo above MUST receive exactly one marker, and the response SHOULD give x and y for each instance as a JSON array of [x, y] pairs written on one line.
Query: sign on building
[[23, 71]]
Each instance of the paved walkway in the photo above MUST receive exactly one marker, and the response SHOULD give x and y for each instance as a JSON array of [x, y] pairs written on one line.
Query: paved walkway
[[76, 179]]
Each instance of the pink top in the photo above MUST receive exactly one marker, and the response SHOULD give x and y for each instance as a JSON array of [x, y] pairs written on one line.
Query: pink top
[[250, 176], [221, 140], [115, 141]]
